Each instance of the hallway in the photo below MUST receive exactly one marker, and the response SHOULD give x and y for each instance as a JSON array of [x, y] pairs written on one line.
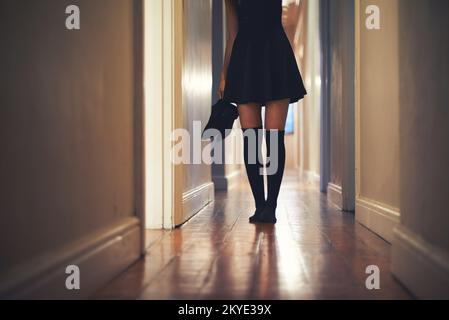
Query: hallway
[[314, 252], [102, 110]]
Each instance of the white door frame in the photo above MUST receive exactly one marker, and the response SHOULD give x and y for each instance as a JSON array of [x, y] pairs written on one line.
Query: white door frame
[[344, 195], [325, 55], [349, 119], [357, 100], [163, 54]]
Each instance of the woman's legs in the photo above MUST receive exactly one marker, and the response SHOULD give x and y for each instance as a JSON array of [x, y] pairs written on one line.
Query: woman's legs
[[251, 122], [250, 115], [276, 114], [275, 119]]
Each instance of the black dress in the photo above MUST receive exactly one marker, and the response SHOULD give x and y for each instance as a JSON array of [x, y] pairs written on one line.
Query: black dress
[[262, 66]]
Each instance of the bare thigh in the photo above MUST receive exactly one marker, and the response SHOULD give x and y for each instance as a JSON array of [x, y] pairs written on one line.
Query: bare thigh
[[276, 114], [250, 115]]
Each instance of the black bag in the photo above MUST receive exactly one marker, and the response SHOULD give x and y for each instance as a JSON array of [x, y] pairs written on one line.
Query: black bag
[[221, 119]]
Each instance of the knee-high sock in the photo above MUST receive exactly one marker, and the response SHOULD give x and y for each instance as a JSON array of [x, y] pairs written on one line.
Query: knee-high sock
[[275, 140], [252, 141]]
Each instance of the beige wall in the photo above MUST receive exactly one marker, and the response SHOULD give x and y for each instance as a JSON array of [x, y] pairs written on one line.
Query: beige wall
[[197, 77], [309, 108], [342, 104], [424, 118], [292, 20], [225, 176], [379, 106], [66, 123], [196, 91], [421, 247]]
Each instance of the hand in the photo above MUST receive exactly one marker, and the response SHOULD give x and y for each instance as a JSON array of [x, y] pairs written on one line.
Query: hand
[[221, 88]]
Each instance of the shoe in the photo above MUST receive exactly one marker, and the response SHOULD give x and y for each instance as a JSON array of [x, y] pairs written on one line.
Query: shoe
[[268, 216], [253, 219]]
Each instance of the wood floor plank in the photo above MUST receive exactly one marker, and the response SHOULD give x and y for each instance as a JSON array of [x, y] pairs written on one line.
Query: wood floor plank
[[314, 252]]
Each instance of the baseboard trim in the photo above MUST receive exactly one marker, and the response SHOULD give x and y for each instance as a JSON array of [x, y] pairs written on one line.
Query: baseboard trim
[[377, 217], [226, 183], [195, 200], [420, 266], [335, 195], [100, 257]]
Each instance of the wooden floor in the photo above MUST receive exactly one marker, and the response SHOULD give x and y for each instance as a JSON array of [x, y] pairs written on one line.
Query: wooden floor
[[314, 252]]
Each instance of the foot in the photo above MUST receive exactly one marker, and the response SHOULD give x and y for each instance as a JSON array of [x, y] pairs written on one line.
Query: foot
[[268, 216], [253, 219]]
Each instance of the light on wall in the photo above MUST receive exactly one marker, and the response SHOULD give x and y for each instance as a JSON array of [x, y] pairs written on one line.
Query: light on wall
[[318, 81]]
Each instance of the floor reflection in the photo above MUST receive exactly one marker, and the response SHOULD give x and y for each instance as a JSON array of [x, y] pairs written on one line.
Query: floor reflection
[[314, 252]]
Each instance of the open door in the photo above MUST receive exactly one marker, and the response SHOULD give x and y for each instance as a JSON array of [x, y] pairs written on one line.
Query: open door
[[163, 110]]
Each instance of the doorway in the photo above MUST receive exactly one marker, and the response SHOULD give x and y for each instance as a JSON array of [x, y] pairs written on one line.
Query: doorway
[[162, 69], [177, 97]]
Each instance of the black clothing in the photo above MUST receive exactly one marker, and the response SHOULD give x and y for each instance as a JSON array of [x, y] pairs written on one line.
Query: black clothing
[[262, 66]]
